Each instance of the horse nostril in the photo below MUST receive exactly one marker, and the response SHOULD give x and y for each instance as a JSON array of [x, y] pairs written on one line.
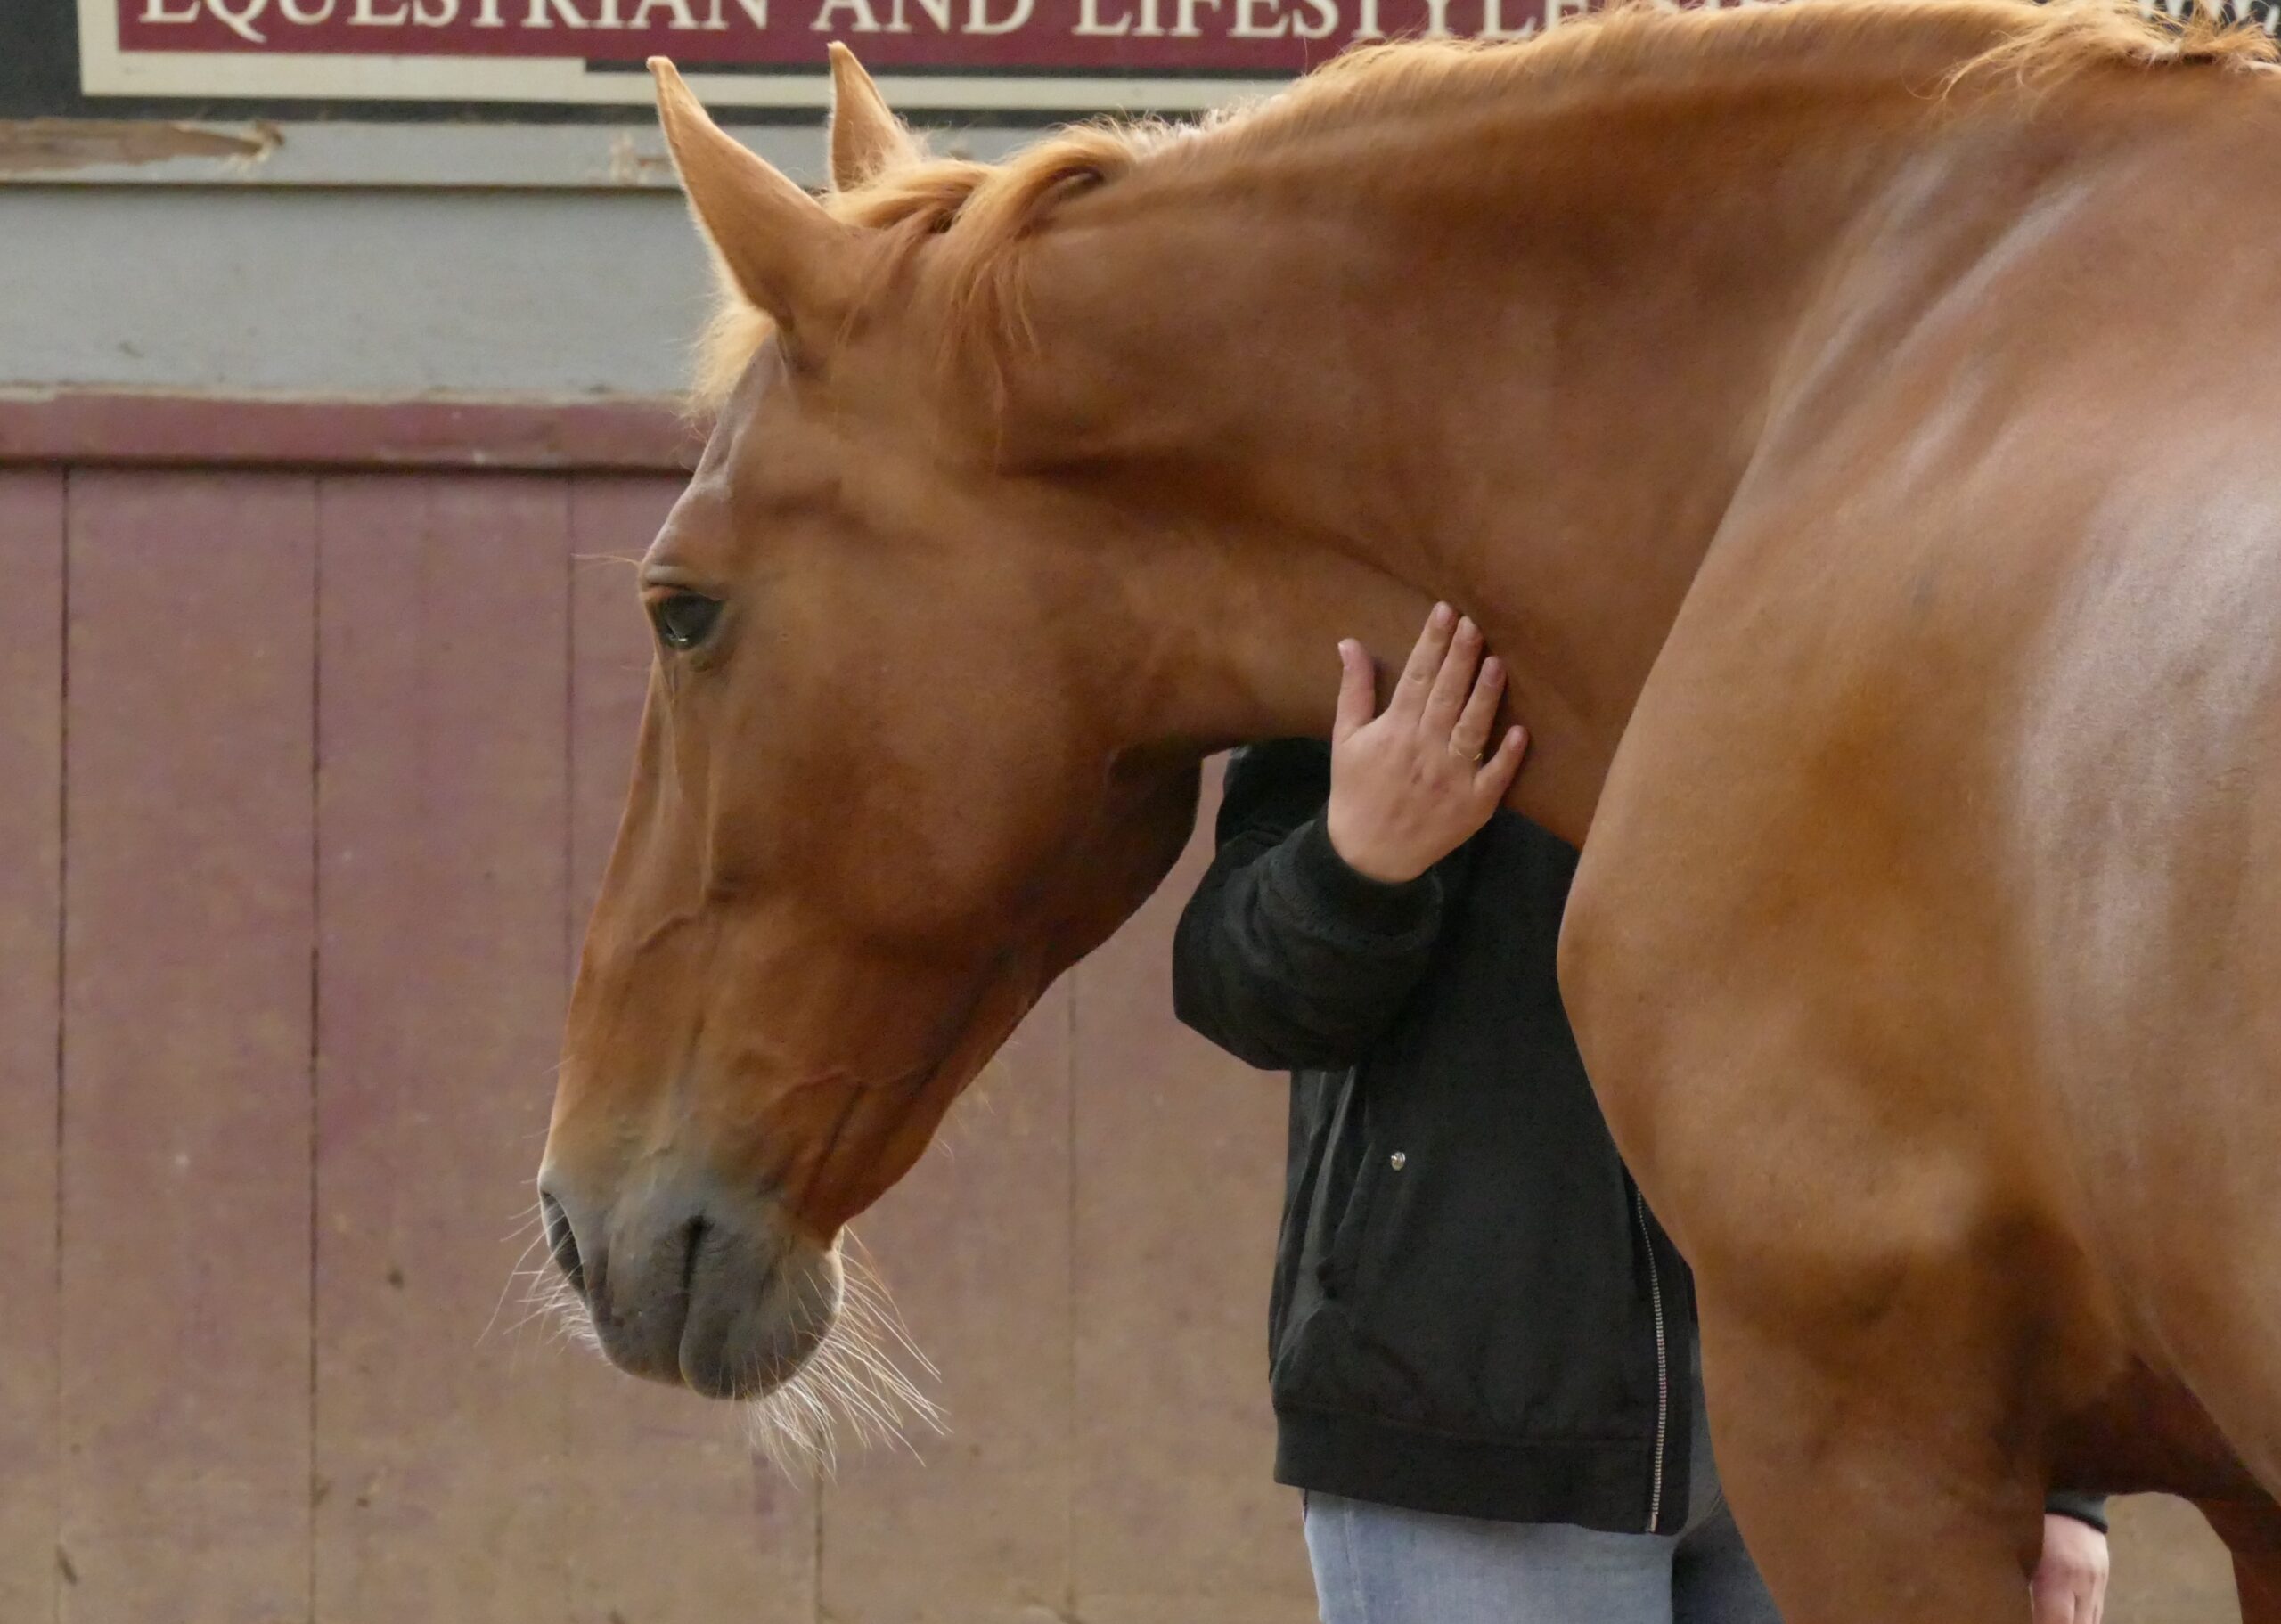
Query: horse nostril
[[562, 1243], [693, 1233]]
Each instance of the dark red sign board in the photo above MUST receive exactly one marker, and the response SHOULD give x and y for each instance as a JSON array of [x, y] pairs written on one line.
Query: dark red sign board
[[1050, 54]]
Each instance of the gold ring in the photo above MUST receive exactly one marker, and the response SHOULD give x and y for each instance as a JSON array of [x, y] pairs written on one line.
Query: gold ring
[[1475, 758]]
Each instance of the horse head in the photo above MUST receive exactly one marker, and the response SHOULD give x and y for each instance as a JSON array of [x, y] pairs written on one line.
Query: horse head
[[888, 787]]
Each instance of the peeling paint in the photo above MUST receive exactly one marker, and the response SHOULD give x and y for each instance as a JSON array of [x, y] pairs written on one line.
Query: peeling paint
[[31, 146], [631, 166]]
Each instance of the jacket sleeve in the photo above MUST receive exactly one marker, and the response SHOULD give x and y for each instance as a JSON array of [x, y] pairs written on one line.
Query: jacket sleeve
[[1286, 957], [2089, 1508]]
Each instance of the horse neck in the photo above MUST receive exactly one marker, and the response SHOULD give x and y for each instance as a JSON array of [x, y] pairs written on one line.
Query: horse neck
[[1522, 365]]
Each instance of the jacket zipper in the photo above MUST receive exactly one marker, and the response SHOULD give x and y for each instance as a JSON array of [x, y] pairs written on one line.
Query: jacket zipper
[[1663, 1363]]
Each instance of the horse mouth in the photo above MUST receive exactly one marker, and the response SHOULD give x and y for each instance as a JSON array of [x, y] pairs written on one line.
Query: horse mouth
[[817, 1351], [862, 1376]]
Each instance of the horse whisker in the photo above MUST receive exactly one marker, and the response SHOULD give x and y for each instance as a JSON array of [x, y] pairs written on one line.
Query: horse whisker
[[852, 1381]]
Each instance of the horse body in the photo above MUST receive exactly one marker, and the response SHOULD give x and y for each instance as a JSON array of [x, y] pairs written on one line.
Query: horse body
[[1917, 947], [1863, 483]]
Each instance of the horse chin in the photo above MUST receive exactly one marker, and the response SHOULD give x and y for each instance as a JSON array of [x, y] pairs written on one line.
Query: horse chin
[[760, 1345], [845, 1366]]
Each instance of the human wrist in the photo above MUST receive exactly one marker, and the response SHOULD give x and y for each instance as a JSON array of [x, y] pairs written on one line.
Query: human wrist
[[1336, 889], [1372, 859]]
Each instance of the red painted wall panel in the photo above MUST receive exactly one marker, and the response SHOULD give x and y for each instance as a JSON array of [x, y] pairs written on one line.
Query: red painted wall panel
[[442, 823], [186, 1126], [31, 849]]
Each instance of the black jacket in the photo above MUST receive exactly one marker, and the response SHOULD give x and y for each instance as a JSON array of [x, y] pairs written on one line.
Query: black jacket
[[1473, 1312]]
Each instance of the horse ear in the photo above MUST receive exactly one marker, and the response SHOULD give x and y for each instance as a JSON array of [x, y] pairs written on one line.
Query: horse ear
[[867, 140], [783, 251]]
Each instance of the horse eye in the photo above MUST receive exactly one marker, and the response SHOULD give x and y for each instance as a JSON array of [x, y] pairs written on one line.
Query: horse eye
[[684, 619]]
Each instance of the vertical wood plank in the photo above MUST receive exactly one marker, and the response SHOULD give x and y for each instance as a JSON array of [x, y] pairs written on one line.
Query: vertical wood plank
[[974, 1245], [442, 819], [31, 769], [1179, 1152], [673, 1520], [186, 1125]]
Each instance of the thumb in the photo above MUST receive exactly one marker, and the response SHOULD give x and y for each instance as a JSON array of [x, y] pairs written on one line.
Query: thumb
[[1358, 691]]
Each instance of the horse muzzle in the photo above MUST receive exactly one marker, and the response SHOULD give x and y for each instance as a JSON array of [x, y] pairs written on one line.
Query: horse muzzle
[[689, 1283]]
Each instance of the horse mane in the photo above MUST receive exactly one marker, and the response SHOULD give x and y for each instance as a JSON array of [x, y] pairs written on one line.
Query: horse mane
[[978, 214]]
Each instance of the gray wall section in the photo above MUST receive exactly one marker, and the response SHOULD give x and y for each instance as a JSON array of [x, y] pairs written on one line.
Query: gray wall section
[[365, 294], [368, 263]]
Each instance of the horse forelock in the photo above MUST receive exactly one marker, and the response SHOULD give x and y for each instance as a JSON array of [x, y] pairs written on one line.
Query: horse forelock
[[975, 215]]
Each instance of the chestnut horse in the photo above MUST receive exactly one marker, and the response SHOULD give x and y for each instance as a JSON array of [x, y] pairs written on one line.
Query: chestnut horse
[[1850, 421]]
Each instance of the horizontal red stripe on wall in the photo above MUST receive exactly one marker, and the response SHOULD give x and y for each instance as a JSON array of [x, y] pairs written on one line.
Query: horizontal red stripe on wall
[[634, 435]]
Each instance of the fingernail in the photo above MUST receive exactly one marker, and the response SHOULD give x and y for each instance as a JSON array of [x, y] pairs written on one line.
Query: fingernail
[[1491, 670], [1441, 614], [1466, 628]]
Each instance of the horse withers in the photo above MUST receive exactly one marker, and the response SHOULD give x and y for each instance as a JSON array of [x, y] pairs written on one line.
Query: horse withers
[[1848, 419]]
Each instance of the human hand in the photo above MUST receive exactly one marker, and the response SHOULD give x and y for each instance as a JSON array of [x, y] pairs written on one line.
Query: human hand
[[1409, 786], [2070, 1583]]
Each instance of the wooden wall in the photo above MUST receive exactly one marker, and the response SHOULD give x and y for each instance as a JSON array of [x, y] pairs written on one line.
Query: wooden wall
[[305, 781]]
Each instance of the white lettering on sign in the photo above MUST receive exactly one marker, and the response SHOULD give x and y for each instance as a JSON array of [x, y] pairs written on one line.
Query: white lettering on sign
[[1093, 39], [979, 20], [255, 21], [755, 12], [1492, 22], [864, 23], [240, 21], [938, 13], [1247, 28], [1089, 21]]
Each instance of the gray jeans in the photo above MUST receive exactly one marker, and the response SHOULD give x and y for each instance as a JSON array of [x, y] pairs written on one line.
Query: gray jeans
[[1378, 1565]]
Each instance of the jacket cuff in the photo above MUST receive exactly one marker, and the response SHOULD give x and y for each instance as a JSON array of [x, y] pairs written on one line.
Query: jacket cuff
[[1338, 895], [2089, 1508]]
